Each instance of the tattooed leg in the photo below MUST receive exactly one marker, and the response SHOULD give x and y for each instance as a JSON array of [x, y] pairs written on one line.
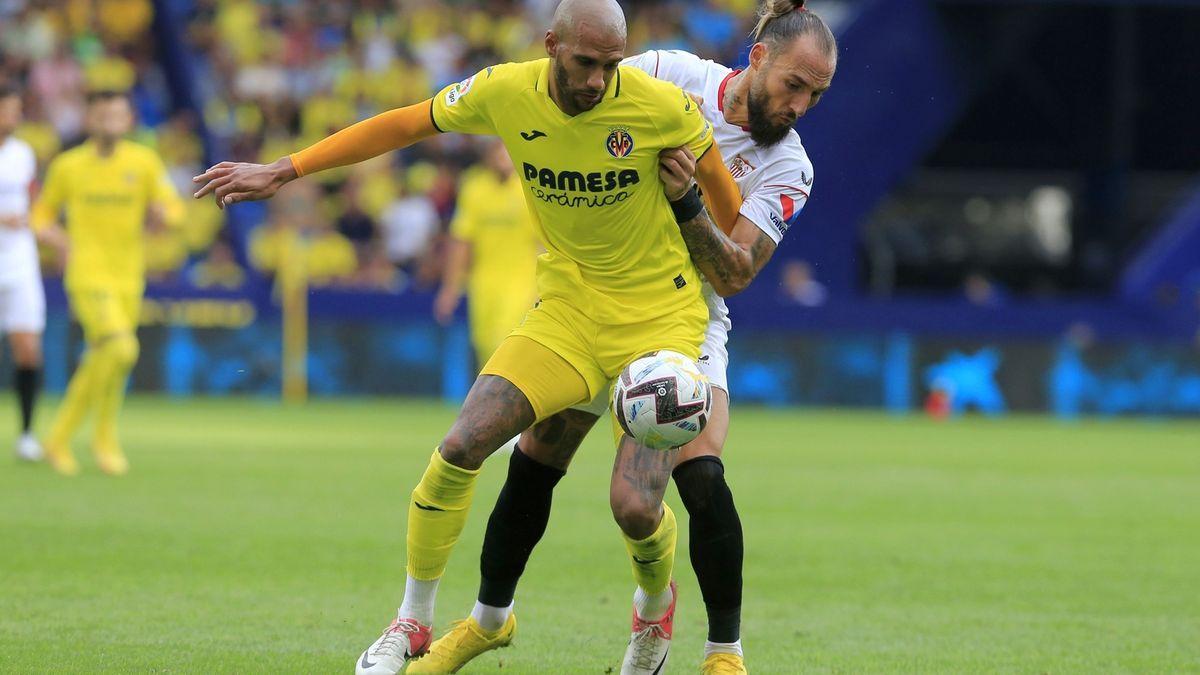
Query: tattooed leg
[[554, 440], [640, 477], [639, 481], [495, 411]]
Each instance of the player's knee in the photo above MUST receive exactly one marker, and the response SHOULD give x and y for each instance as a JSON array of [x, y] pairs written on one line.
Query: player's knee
[[27, 354], [554, 451], [547, 454], [701, 483], [456, 449], [464, 449], [636, 518], [125, 349]]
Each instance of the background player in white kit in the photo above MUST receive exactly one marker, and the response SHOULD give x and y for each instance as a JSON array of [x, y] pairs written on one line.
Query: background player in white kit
[[22, 300], [752, 112]]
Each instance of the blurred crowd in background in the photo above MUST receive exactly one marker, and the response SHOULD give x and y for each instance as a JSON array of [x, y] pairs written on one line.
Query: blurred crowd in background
[[276, 76]]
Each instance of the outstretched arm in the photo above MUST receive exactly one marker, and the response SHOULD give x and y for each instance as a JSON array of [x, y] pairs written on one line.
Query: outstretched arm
[[232, 182], [729, 256]]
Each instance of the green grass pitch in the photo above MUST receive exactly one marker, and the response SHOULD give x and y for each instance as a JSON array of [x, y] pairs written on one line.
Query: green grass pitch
[[252, 537]]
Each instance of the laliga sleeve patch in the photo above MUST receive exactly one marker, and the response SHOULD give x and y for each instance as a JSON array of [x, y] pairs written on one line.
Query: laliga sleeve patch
[[457, 91]]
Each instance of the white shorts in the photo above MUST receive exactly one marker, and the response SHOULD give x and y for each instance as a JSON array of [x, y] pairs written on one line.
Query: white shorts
[[714, 361], [23, 304]]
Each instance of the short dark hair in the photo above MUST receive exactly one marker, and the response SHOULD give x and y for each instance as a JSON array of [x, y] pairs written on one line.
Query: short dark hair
[[105, 95]]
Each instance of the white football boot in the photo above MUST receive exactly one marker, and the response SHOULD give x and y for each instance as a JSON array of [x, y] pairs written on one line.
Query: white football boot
[[651, 642], [28, 448], [403, 640]]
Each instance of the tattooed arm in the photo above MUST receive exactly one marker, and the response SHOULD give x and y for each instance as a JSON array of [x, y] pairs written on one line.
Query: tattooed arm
[[728, 261]]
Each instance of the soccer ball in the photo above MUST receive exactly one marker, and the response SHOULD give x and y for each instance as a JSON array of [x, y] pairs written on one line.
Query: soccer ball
[[662, 400]]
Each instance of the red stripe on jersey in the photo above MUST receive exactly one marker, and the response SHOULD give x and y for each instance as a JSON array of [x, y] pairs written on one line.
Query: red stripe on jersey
[[789, 206], [793, 188]]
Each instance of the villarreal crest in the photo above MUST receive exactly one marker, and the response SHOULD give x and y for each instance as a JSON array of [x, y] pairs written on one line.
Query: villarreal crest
[[619, 143]]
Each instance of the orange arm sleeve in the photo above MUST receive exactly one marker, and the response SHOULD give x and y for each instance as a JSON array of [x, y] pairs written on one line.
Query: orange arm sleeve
[[392, 130], [721, 194]]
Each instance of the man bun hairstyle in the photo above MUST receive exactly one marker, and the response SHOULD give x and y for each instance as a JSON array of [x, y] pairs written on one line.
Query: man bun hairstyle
[[781, 21]]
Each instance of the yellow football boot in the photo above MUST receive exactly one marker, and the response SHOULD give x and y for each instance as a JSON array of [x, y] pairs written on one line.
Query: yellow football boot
[[111, 460], [723, 664], [61, 459], [466, 640]]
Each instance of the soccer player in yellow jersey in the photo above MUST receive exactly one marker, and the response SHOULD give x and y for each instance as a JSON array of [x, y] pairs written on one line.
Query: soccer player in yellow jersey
[[616, 280], [492, 255], [109, 189], [791, 65]]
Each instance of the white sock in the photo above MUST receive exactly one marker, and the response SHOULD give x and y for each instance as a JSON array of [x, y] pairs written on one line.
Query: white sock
[[711, 648], [419, 597], [491, 618], [651, 607]]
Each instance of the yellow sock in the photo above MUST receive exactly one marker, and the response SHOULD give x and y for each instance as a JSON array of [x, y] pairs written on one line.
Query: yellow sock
[[654, 556], [78, 401], [119, 355], [436, 516]]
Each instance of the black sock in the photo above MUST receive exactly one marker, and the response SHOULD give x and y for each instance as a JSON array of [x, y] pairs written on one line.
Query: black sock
[[27, 380], [517, 523], [716, 543]]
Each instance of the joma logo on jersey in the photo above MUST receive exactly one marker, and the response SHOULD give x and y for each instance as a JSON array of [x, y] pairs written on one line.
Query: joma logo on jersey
[[619, 143], [577, 181]]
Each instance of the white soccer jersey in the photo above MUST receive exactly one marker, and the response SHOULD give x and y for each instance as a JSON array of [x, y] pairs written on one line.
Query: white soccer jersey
[[18, 251], [775, 181]]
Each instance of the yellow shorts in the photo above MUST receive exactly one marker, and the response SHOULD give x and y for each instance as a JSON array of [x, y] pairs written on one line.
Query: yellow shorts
[[586, 351], [105, 313]]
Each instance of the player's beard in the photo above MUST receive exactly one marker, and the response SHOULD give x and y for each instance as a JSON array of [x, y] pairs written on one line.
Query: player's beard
[[763, 131], [570, 95]]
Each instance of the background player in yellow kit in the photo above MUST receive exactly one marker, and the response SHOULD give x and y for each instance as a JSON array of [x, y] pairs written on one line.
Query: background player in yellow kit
[[109, 190], [492, 255], [617, 280]]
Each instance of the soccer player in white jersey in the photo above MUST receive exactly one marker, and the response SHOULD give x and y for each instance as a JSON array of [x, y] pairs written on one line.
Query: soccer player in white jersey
[[22, 301], [752, 112]]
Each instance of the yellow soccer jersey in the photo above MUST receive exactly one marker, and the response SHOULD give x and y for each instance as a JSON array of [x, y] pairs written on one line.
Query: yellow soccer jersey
[[105, 201], [613, 249], [493, 217]]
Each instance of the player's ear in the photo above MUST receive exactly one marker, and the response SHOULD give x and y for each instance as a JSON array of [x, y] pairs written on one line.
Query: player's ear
[[551, 44], [758, 55]]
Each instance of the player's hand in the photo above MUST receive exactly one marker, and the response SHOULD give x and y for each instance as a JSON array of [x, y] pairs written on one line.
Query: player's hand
[[156, 220], [54, 237], [444, 305], [676, 169], [232, 182], [12, 222]]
